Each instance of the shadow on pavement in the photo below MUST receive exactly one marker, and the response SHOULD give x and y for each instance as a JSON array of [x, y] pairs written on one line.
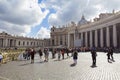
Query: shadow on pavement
[[72, 65], [24, 64], [93, 66], [41, 62], [57, 60]]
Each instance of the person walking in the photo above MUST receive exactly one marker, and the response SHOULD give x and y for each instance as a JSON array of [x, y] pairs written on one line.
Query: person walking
[[94, 55], [32, 55], [62, 52], [27, 54], [46, 54], [40, 53], [111, 54], [75, 57], [59, 54], [67, 51], [53, 53]]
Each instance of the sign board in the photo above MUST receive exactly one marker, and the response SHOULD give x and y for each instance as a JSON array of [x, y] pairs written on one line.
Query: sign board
[[78, 43]]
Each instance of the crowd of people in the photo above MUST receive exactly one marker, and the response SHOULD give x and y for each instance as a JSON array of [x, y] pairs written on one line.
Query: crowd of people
[[59, 53]]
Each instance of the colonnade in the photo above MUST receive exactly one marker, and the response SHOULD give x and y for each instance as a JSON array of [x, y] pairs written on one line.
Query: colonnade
[[101, 37]]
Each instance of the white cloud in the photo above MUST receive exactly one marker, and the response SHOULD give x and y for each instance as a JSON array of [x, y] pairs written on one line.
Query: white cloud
[[71, 10], [19, 16], [43, 33]]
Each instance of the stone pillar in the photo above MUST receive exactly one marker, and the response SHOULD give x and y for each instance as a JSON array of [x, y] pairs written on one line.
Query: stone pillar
[[15, 43], [73, 40], [74, 36], [86, 41], [81, 38], [96, 38], [63, 40], [101, 37], [5, 41], [55, 40], [8, 43], [68, 44], [58, 40], [108, 37], [91, 45], [114, 36], [1, 42]]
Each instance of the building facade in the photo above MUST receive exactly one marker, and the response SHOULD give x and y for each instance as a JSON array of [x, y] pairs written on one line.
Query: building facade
[[102, 32], [9, 41]]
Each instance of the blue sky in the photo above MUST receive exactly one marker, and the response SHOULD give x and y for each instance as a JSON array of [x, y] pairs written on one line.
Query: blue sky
[[44, 23], [34, 18]]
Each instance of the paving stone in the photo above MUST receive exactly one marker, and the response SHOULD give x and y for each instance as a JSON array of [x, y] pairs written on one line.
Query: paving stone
[[61, 70]]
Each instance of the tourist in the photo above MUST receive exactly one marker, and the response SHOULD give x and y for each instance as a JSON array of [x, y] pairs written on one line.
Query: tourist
[[27, 51], [108, 55], [32, 55], [111, 54], [1, 57], [53, 53], [62, 52], [67, 51], [75, 57], [46, 54], [59, 54], [40, 53], [93, 54]]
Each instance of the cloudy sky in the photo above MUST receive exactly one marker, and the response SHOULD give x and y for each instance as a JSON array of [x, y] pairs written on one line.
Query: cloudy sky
[[34, 18]]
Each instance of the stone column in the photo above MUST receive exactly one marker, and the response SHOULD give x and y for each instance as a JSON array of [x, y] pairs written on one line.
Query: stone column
[[58, 40], [101, 37], [3, 42], [114, 36], [0, 42], [68, 44], [81, 38], [15, 43], [91, 45], [108, 37], [86, 41], [74, 36], [96, 39], [73, 40], [63, 40], [55, 40], [8, 42]]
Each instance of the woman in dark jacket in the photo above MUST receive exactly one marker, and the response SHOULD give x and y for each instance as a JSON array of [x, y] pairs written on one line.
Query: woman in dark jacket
[[40, 53], [32, 55], [75, 57]]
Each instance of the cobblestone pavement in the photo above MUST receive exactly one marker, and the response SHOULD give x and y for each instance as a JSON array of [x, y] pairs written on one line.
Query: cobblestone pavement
[[61, 70]]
